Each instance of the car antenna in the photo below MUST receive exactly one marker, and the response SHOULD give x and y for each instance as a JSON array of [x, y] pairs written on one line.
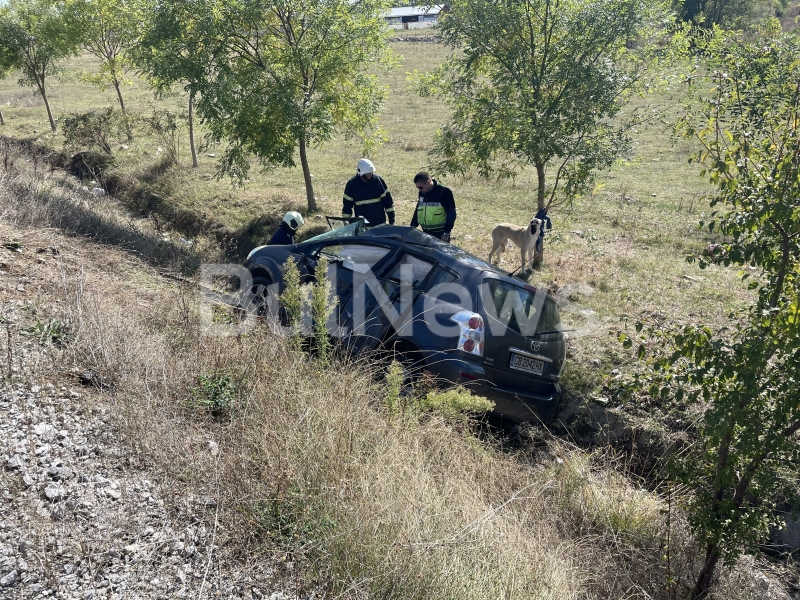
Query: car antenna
[[514, 272]]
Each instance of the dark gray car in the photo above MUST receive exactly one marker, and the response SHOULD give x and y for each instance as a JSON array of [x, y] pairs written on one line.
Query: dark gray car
[[465, 320]]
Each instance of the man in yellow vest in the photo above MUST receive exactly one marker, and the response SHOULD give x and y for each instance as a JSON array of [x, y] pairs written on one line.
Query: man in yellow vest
[[436, 208]]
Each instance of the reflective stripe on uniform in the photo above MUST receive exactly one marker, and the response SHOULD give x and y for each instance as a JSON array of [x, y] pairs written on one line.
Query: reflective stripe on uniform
[[348, 198], [344, 214], [388, 210], [370, 201]]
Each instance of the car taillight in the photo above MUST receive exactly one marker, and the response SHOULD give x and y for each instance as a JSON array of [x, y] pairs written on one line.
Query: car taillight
[[471, 338]]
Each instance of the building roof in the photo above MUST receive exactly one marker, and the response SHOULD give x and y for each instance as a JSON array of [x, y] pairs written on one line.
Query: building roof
[[409, 11]]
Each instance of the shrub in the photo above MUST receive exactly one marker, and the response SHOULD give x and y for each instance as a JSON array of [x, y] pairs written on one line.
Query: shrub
[[215, 393], [292, 298], [164, 125], [321, 309], [53, 331], [93, 130]]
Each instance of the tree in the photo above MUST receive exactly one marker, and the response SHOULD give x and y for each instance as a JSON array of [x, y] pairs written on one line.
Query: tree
[[708, 13], [744, 380], [34, 36], [286, 75], [109, 29], [170, 52], [539, 82]]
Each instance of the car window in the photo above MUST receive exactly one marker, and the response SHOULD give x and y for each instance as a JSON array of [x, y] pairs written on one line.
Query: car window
[[356, 257], [441, 276], [411, 267], [522, 310]]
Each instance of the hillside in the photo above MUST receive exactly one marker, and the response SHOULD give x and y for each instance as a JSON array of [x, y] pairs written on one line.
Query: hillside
[[145, 459], [120, 482]]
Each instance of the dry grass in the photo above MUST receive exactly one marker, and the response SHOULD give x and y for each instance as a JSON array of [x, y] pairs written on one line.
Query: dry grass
[[315, 474], [36, 194]]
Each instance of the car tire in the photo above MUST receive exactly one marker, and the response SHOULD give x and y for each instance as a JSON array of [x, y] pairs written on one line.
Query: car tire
[[257, 301]]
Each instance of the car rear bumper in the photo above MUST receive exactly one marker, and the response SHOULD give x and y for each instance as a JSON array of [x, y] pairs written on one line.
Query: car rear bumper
[[515, 404]]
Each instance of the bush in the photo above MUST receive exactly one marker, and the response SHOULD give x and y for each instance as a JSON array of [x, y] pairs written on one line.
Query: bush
[[164, 125], [94, 130], [215, 393]]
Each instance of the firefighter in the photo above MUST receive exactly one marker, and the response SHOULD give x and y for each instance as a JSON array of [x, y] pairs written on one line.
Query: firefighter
[[292, 221], [436, 209], [368, 196]]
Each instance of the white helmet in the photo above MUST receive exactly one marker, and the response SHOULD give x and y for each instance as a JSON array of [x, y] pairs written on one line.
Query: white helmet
[[365, 166], [293, 219]]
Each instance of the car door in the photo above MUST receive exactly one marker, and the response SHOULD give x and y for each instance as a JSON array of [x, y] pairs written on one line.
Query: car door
[[349, 265], [386, 302]]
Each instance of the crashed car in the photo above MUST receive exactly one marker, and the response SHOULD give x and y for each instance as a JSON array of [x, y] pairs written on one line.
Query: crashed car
[[468, 322]]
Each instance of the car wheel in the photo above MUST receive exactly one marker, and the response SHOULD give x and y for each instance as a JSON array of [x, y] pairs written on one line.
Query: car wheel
[[257, 300]]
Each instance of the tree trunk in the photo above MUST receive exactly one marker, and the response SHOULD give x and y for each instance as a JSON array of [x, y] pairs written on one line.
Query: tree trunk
[[2, 120], [128, 130], [47, 106], [119, 96], [541, 190], [703, 585], [195, 164], [312, 202]]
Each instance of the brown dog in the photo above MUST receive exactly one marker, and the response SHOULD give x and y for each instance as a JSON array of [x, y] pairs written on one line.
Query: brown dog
[[524, 237]]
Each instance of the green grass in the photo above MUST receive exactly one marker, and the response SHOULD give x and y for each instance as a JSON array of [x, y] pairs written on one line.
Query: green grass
[[623, 247]]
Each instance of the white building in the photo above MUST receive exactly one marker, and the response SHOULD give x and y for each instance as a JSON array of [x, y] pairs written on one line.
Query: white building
[[414, 17]]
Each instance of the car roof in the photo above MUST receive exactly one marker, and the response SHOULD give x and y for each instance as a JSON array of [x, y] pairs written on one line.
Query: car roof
[[442, 251], [414, 239]]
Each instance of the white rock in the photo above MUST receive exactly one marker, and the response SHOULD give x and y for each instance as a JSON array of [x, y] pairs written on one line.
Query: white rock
[[54, 491], [45, 431], [15, 462], [9, 579]]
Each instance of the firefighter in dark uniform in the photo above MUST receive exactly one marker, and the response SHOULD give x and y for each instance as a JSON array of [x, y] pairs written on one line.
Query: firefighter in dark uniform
[[368, 196], [284, 236], [436, 209]]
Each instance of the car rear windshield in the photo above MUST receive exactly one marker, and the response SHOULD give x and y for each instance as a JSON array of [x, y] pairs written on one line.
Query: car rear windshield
[[525, 310]]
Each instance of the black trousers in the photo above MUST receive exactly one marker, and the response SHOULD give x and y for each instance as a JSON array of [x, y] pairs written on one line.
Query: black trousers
[[436, 234]]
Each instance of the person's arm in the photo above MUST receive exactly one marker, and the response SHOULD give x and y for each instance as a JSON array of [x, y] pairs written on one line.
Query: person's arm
[[347, 202], [387, 202], [449, 205], [414, 222]]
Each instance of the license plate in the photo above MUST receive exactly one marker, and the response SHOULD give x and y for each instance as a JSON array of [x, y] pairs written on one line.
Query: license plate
[[523, 363]]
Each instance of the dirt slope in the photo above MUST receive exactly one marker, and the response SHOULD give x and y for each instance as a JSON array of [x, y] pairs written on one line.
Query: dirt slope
[[82, 513]]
